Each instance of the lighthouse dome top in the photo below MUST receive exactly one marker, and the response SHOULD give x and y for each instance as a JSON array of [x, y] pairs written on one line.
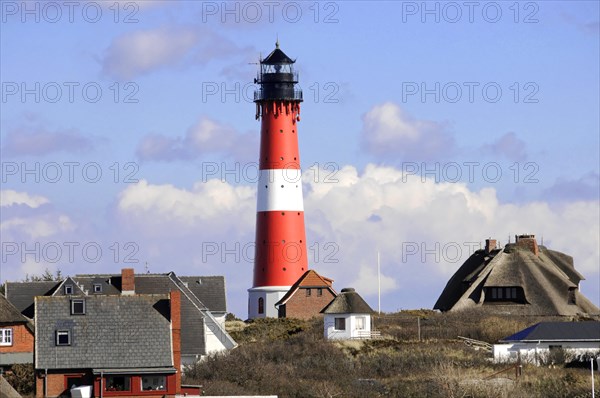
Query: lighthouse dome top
[[277, 57]]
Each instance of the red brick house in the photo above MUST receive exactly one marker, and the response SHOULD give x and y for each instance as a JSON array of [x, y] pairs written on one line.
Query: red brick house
[[307, 297], [121, 345], [16, 336]]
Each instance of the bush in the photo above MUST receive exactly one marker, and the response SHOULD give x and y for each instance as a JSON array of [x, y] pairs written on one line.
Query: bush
[[22, 378]]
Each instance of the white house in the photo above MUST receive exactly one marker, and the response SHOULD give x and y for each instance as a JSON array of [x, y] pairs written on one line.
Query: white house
[[347, 316], [547, 342]]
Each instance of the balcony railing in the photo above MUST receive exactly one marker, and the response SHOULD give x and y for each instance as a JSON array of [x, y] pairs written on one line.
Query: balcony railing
[[260, 95]]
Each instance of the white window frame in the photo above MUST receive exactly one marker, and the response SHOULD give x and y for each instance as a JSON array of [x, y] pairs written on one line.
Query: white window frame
[[335, 321], [68, 289], [6, 337], [63, 332], [73, 302], [99, 288], [361, 322]]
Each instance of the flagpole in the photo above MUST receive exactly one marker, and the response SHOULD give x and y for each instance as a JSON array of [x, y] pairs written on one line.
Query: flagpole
[[378, 284]]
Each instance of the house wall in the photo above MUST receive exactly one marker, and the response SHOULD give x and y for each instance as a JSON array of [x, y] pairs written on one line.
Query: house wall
[[271, 295], [22, 339], [536, 353], [351, 331], [305, 307], [55, 385]]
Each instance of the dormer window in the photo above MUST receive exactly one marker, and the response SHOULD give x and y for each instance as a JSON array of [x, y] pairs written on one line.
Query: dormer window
[[68, 289], [77, 307], [97, 288]]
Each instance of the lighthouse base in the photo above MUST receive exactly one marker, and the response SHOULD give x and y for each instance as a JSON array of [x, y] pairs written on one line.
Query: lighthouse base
[[262, 299]]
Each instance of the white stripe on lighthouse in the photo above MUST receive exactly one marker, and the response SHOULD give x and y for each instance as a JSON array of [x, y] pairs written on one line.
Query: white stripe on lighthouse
[[280, 189]]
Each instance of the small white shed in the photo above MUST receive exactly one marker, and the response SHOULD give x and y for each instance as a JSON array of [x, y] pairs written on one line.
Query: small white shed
[[347, 316]]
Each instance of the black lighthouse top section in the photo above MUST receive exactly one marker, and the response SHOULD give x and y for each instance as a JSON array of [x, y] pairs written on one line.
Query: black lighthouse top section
[[277, 78]]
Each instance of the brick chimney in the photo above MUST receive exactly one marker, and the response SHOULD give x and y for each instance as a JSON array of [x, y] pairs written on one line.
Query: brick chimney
[[127, 281], [175, 301], [490, 244], [527, 242]]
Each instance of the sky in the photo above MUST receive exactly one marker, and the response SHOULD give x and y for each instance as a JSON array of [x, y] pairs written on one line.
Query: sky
[[128, 137]]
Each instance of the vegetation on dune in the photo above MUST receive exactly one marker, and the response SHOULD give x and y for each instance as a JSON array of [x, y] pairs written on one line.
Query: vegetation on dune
[[290, 358]]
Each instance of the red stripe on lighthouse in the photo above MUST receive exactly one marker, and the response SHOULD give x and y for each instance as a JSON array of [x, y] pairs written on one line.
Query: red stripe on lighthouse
[[281, 256]]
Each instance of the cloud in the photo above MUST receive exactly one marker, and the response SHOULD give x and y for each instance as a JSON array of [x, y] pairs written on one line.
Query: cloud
[[39, 141], [348, 222], [509, 146], [144, 51], [8, 197], [205, 136], [586, 187], [388, 130]]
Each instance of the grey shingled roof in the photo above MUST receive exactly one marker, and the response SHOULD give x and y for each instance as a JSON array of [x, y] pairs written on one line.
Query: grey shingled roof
[[210, 290], [21, 294], [347, 302], [545, 279], [196, 299], [558, 331], [115, 332], [9, 314]]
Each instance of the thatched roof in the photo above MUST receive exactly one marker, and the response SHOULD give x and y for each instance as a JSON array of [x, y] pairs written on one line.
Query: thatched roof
[[547, 282], [347, 302]]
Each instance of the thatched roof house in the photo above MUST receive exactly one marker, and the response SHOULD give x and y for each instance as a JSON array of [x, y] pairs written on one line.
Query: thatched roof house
[[524, 278]]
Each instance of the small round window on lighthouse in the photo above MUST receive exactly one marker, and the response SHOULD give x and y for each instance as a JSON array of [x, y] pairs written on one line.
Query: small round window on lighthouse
[[282, 186], [281, 158], [282, 213], [281, 131], [285, 269]]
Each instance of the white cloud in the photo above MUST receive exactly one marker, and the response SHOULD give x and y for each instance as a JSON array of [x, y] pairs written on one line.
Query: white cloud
[[389, 130], [141, 51], [349, 221], [509, 146], [40, 141], [8, 197], [366, 282], [205, 136], [35, 227], [144, 51]]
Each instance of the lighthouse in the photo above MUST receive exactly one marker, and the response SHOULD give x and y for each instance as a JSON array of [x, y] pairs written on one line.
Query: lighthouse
[[280, 252]]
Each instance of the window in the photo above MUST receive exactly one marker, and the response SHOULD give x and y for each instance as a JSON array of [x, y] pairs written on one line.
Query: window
[[319, 292], [154, 383], [6, 337], [63, 337], [360, 323], [97, 288], [118, 383], [261, 305], [68, 289], [308, 292], [572, 298], [77, 307], [511, 294], [340, 324], [73, 381]]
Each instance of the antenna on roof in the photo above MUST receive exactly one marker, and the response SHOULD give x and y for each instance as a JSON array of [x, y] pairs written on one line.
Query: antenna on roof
[[146, 267]]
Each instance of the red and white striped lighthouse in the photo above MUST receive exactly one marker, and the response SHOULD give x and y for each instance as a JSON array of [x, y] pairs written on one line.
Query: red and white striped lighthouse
[[280, 257]]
